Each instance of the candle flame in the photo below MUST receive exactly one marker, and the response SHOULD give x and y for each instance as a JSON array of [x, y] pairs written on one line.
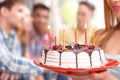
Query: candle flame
[[85, 25], [49, 27], [75, 26]]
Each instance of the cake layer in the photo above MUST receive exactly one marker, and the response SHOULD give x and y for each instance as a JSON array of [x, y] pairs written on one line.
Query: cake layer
[[74, 58], [68, 60]]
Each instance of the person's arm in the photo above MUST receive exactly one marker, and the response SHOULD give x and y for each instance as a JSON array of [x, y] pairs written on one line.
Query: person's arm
[[104, 76], [110, 77], [12, 65], [97, 76]]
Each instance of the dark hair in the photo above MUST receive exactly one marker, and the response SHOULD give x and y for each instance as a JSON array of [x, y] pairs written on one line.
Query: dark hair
[[89, 5], [1, 5], [40, 6], [10, 3]]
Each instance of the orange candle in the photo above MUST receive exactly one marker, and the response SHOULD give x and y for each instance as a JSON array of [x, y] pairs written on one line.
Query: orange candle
[[75, 33], [64, 37], [93, 36], [60, 36], [49, 36], [86, 47]]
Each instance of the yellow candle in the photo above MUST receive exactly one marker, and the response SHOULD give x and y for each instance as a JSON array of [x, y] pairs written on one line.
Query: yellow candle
[[93, 36], [75, 33], [60, 36], [49, 36], [64, 37]]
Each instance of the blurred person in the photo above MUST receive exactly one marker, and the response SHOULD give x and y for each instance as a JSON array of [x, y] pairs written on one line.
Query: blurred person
[[23, 35], [38, 35], [12, 16], [12, 42], [108, 39], [84, 16]]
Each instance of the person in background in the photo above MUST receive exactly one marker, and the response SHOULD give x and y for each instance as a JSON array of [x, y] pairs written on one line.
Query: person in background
[[84, 16], [38, 35], [12, 16], [108, 39], [13, 43]]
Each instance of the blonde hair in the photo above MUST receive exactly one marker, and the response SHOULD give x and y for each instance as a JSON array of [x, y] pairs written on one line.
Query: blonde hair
[[110, 28]]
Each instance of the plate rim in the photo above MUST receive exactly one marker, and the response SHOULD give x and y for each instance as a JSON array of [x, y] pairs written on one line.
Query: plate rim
[[111, 63]]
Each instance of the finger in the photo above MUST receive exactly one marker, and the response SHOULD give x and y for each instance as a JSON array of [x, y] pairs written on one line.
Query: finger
[[16, 77], [2, 76], [6, 76], [12, 77]]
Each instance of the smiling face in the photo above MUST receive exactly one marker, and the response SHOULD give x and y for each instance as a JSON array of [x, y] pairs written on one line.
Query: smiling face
[[41, 17], [115, 7], [84, 15], [26, 21], [16, 16]]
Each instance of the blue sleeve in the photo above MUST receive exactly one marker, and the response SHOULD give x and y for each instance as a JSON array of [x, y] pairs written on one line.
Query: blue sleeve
[[13, 65]]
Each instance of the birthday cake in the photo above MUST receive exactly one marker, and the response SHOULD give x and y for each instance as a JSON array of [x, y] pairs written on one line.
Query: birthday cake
[[75, 56]]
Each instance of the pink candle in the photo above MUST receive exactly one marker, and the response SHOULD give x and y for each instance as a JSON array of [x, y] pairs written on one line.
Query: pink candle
[[49, 36], [86, 47], [75, 33]]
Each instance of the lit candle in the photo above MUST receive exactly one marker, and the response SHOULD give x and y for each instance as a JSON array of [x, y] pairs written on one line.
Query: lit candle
[[93, 36], [64, 37], [75, 33], [49, 36], [86, 47], [60, 36]]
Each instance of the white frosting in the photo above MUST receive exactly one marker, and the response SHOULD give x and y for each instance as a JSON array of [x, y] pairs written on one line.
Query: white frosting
[[96, 61], [103, 56], [68, 59], [83, 60], [52, 58]]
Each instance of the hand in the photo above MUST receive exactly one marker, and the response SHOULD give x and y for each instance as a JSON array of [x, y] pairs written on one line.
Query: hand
[[83, 76], [104, 76], [38, 78], [4, 76], [14, 77], [97, 76]]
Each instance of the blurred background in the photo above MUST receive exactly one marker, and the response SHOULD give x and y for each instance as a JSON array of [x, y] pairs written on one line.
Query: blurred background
[[64, 11]]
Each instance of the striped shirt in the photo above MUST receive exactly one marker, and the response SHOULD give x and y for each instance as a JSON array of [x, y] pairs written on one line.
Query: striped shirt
[[16, 65]]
